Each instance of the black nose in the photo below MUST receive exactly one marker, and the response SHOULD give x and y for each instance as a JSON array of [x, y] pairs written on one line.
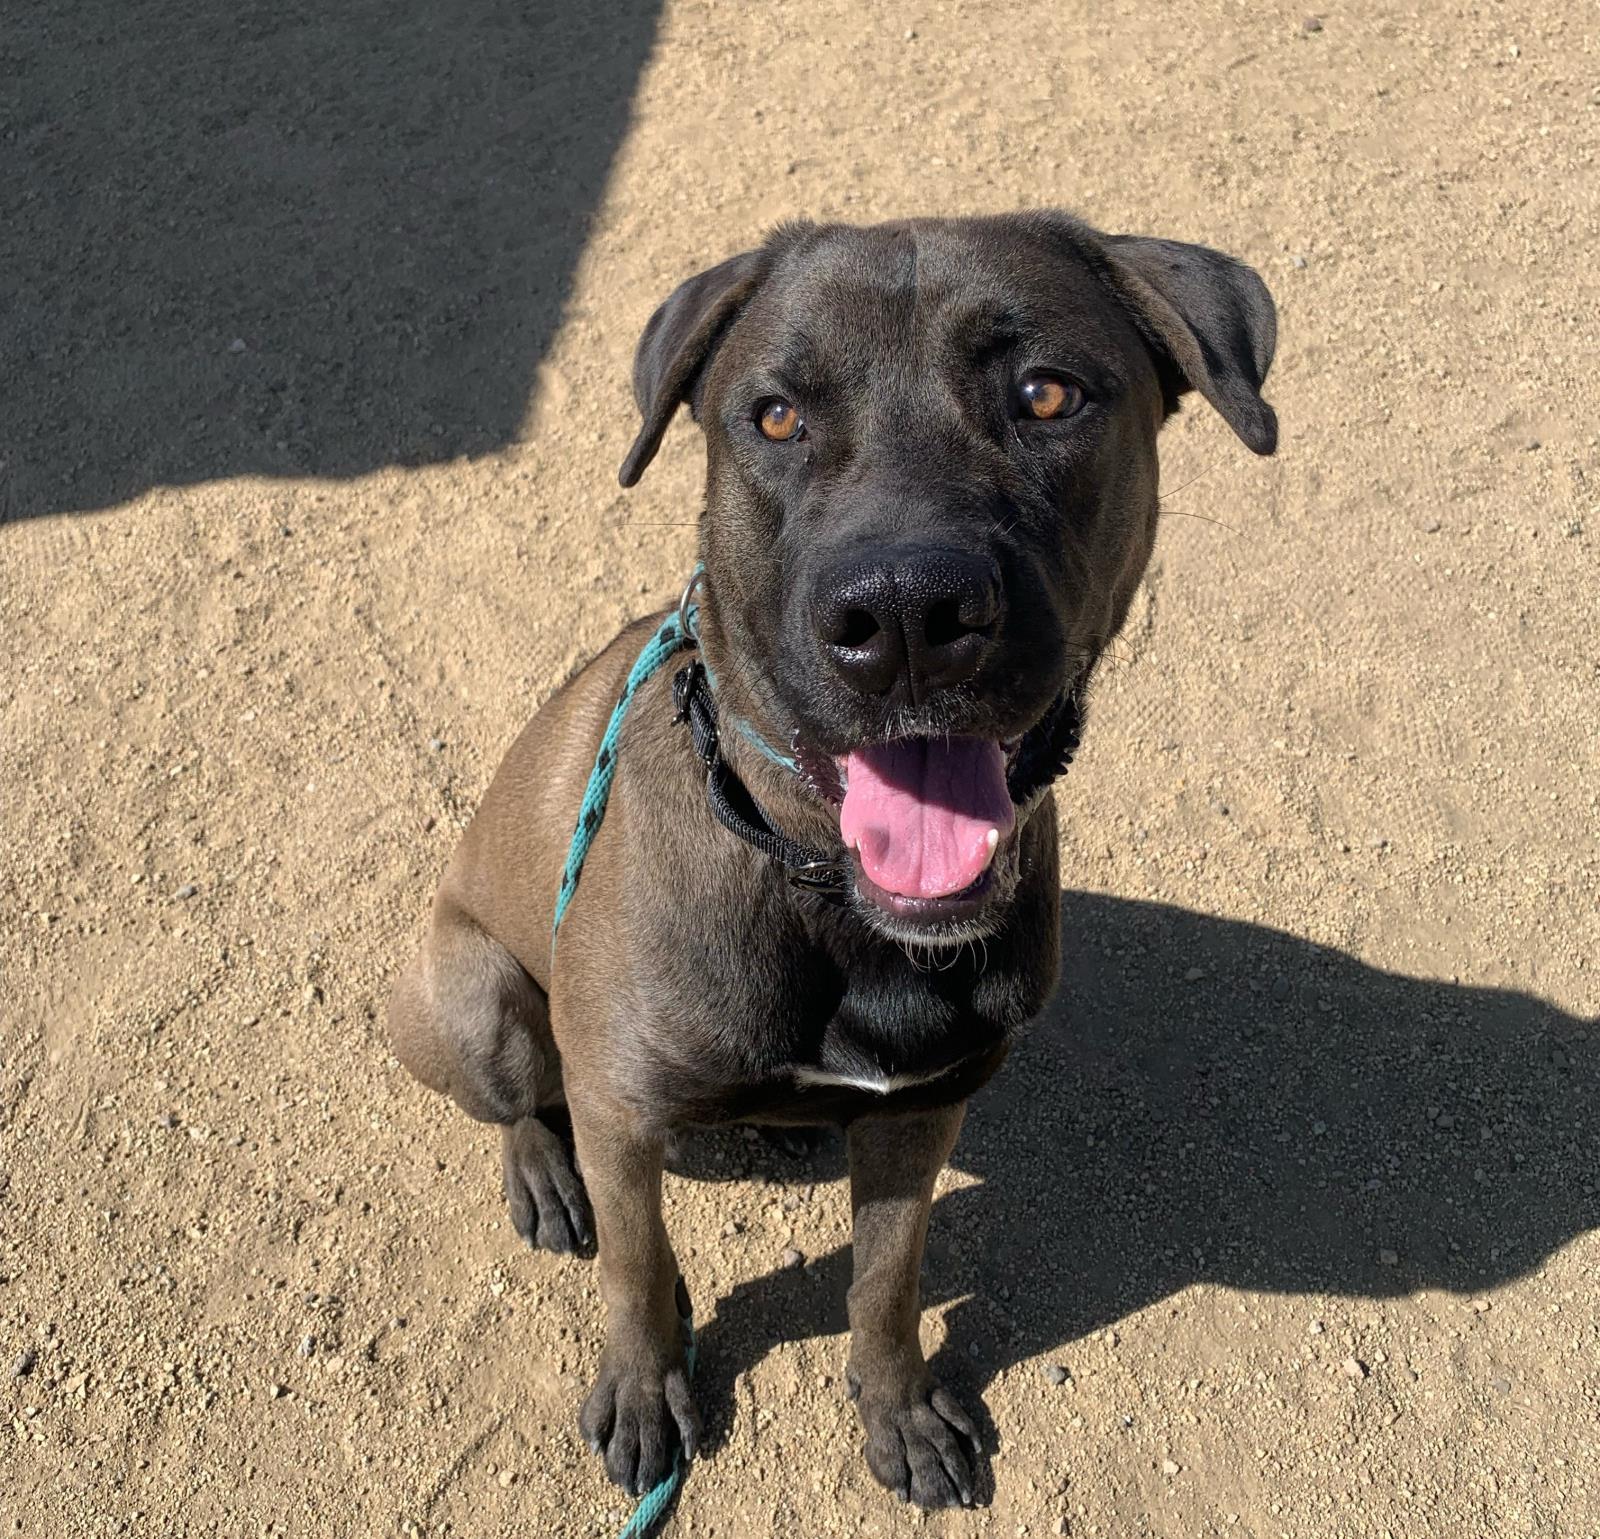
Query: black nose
[[921, 617]]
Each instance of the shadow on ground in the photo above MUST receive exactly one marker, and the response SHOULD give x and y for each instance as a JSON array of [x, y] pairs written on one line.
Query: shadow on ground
[[1294, 1121], [291, 239]]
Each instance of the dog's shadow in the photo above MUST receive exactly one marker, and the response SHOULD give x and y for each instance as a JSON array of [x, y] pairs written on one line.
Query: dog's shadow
[[291, 240], [1213, 1101]]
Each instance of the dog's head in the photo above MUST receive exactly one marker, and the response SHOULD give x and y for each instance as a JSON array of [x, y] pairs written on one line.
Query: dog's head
[[931, 492]]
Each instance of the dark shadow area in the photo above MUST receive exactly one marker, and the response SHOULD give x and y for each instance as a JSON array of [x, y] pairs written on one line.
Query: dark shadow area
[[289, 239], [1292, 1122]]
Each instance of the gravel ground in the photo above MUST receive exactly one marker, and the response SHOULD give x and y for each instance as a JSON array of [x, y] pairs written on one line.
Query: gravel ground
[[1282, 1223]]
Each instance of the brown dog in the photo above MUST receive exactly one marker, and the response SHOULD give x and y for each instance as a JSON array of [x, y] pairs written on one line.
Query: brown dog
[[931, 491]]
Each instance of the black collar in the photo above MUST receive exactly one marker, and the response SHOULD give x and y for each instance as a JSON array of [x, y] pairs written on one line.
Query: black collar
[[730, 800], [1045, 753]]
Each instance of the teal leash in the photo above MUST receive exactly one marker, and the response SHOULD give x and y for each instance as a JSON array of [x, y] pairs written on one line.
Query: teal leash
[[677, 634], [654, 1503], [674, 636], [754, 738]]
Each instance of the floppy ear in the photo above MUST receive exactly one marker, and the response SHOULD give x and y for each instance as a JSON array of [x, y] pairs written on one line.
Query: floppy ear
[[676, 345], [1211, 324]]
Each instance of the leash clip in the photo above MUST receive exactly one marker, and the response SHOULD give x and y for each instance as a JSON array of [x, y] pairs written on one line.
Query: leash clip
[[686, 603]]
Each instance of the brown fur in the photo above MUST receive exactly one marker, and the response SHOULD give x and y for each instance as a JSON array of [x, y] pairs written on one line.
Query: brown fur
[[691, 983]]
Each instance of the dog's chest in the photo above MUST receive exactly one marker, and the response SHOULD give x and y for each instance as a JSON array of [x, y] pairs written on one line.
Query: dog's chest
[[843, 1062], [845, 1078], [890, 1042], [809, 1028]]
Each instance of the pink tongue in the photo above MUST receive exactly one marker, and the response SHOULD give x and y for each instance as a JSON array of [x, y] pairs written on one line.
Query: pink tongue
[[919, 810]]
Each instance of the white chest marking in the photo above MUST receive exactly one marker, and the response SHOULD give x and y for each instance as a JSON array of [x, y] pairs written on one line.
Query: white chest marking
[[878, 1084]]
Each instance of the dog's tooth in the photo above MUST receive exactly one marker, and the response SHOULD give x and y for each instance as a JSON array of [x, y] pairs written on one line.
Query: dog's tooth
[[992, 839]]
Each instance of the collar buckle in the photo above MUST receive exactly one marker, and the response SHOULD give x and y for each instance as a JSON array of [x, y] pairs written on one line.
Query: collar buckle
[[817, 875]]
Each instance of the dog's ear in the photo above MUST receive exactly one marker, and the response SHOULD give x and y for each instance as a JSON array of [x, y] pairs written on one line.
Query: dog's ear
[[677, 344], [1210, 322]]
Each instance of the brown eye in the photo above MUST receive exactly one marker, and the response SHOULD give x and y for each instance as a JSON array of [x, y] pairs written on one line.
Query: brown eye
[[1047, 397], [779, 420]]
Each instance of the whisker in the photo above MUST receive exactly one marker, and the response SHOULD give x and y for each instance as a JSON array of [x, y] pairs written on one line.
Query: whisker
[[1192, 479], [1203, 517]]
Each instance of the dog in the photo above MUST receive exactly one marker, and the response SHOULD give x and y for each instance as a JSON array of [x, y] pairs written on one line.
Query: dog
[[825, 888]]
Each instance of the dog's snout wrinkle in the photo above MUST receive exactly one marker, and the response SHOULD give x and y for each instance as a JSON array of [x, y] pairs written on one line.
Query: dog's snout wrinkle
[[915, 619]]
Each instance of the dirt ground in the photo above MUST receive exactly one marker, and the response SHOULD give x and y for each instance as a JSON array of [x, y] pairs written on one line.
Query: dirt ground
[[315, 328]]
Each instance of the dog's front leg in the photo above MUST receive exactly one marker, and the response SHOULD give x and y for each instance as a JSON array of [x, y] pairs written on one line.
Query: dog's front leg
[[920, 1443], [640, 1408]]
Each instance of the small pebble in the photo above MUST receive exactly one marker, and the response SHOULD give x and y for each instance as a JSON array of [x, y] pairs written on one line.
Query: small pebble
[[1170, 1467], [24, 1364], [308, 1345], [791, 1257], [1354, 1368], [1194, 975], [1500, 1386], [1317, 1327], [238, 345], [436, 744], [1388, 1258], [729, 1230], [1280, 988], [507, 1477], [278, 1391], [1311, 24], [1056, 1374], [188, 890]]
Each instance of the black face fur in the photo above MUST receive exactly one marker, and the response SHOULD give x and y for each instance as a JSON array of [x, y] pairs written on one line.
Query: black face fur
[[903, 350]]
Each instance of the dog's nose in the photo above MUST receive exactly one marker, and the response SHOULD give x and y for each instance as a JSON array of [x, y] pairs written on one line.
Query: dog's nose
[[922, 617]]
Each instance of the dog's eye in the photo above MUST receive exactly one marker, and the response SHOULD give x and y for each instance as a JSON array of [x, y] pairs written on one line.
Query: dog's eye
[[778, 419], [1048, 397]]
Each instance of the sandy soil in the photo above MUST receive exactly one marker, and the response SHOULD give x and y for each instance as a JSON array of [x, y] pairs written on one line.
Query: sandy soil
[[316, 333]]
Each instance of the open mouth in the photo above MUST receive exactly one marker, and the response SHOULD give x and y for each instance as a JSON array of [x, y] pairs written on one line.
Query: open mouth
[[924, 819]]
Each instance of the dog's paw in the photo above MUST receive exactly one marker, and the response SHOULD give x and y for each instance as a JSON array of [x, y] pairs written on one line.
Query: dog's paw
[[637, 1417], [549, 1207], [921, 1445]]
